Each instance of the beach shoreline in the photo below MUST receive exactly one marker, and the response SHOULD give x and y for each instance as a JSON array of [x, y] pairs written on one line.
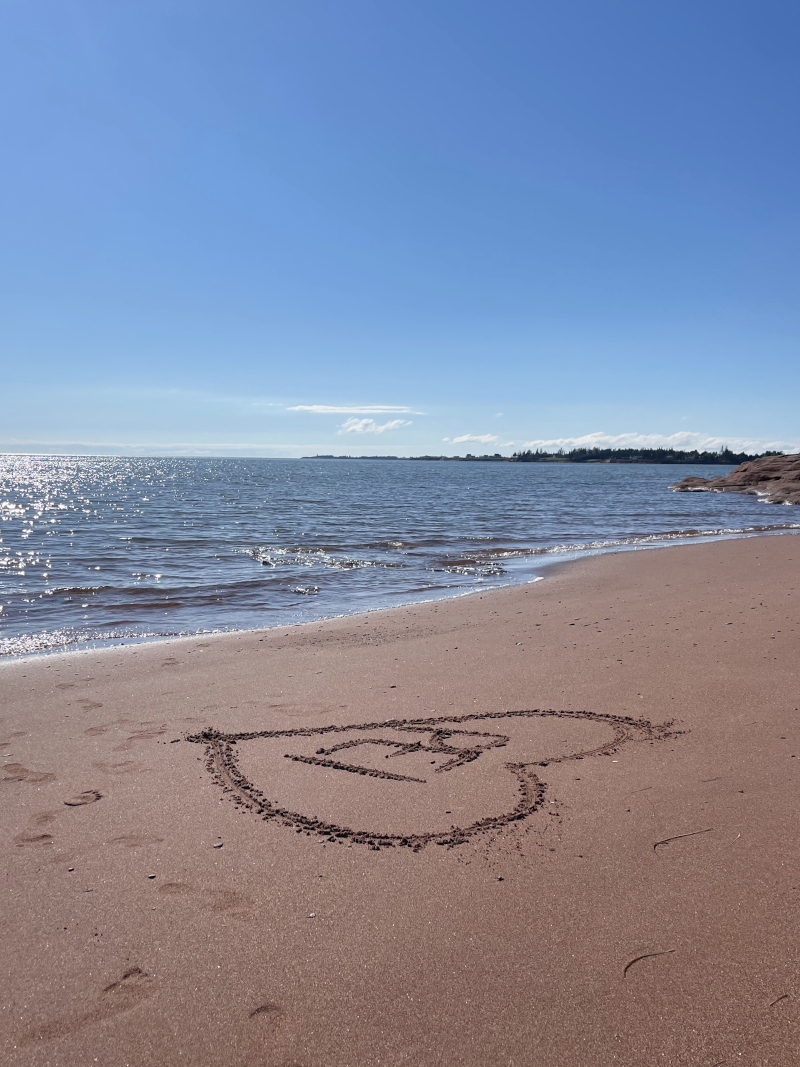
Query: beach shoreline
[[621, 741], [550, 564]]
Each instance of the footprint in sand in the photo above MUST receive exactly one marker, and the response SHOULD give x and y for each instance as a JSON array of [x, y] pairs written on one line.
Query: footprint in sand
[[7, 744], [410, 782], [139, 735], [127, 993], [15, 772], [88, 796], [104, 727], [35, 835], [28, 837], [220, 901], [135, 840], [175, 889], [126, 766], [269, 1017]]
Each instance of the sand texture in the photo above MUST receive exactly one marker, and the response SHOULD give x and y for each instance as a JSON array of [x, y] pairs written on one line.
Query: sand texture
[[549, 825]]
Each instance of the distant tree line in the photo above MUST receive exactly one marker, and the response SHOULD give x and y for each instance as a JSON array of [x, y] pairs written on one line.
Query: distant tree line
[[637, 455], [589, 455]]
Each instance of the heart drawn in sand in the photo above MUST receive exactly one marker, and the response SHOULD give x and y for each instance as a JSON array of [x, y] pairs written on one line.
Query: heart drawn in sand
[[410, 782]]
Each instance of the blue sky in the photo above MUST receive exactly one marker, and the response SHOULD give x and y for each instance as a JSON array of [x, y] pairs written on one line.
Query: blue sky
[[277, 228]]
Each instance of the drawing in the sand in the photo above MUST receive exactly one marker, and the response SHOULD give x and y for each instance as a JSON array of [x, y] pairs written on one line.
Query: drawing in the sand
[[446, 781]]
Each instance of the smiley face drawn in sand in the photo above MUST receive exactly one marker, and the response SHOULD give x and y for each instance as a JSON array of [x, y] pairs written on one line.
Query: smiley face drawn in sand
[[410, 782]]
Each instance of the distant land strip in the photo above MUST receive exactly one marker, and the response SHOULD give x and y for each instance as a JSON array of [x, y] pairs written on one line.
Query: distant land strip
[[588, 455]]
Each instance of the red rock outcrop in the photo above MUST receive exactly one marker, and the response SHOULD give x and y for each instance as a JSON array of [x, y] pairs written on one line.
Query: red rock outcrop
[[776, 478]]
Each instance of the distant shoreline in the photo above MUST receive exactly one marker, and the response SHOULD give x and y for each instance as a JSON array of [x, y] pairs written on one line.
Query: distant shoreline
[[585, 455], [603, 456]]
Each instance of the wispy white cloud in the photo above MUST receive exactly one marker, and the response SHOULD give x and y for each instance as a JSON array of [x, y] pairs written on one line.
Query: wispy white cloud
[[371, 426], [355, 409], [686, 440], [483, 438]]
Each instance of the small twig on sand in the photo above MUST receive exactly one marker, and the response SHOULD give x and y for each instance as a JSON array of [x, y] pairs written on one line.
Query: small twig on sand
[[784, 997], [646, 956], [694, 833]]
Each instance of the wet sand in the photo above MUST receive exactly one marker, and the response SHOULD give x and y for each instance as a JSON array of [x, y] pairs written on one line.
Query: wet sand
[[548, 825]]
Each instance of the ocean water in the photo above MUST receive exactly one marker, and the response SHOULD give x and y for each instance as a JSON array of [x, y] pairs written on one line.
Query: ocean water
[[117, 549]]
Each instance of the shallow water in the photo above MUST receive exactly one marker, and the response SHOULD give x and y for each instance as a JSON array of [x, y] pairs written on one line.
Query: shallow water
[[98, 549]]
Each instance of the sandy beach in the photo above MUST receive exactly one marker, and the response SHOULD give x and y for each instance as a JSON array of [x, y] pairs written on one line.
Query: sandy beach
[[553, 824]]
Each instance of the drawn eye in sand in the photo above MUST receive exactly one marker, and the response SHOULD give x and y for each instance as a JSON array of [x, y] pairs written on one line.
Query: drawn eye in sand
[[410, 782]]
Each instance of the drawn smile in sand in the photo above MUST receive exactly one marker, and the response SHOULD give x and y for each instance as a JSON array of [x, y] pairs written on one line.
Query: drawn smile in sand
[[410, 782]]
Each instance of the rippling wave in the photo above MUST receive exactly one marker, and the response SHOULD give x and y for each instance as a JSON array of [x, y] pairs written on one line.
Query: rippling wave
[[116, 549], [316, 557]]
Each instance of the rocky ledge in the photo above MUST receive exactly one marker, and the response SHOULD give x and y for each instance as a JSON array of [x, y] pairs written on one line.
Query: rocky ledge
[[775, 478]]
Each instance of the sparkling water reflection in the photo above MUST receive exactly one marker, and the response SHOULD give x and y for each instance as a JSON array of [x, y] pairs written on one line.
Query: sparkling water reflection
[[111, 548]]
